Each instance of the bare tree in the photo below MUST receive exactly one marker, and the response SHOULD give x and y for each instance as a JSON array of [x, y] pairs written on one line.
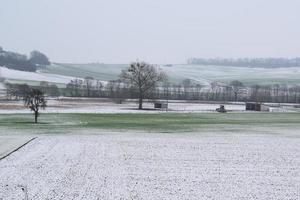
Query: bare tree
[[144, 78], [215, 90], [237, 88], [255, 90], [75, 87], [18, 91], [99, 88], [35, 101], [187, 84], [89, 85], [276, 91]]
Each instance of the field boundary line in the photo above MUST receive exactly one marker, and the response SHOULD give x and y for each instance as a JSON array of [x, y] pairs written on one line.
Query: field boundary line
[[13, 151]]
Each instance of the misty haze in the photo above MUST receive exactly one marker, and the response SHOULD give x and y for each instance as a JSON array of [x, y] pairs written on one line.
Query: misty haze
[[144, 99]]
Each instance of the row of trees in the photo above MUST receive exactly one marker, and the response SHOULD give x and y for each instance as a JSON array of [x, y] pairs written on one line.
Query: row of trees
[[19, 91], [13, 60], [143, 81], [234, 91], [247, 62]]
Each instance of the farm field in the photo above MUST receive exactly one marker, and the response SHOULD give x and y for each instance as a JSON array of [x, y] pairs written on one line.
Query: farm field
[[149, 100], [152, 156], [104, 105], [32, 78], [103, 72], [61, 74], [177, 73], [139, 165], [10, 143]]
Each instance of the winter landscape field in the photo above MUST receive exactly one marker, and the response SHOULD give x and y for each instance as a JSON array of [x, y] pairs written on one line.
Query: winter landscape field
[[96, 148], [152, 156], [149, 100], [143, 166]]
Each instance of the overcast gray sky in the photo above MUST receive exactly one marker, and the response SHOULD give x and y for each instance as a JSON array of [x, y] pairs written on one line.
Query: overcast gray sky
[[157, 31]]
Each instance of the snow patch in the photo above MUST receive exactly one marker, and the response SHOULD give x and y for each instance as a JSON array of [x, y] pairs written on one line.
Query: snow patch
[[34, 76]]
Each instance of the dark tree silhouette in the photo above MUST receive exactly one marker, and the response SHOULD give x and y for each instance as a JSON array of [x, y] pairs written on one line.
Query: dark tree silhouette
[[38, 59], [35, 100], [143, 77], [13, 60]]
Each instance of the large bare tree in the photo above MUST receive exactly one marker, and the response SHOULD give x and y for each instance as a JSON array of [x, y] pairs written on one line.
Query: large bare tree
[[144, 78]]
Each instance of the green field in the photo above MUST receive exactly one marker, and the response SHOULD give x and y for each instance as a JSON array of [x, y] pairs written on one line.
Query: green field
[[66, 123], [177, 73]]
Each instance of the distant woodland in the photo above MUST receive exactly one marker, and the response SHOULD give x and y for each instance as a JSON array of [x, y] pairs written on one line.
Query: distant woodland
[[17, 61], [247, 62]]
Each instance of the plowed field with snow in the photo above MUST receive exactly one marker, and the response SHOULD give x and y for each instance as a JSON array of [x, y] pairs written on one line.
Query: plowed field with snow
[[154, 166]]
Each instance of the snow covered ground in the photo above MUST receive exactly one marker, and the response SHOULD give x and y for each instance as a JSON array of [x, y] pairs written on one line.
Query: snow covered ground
[[98, 106], [10, 143], [33, 76], [90, 105], [178, 72], [154, 166], [250, 75]]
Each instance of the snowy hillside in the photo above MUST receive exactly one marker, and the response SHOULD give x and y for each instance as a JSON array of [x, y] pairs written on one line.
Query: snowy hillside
[[177, 73], [33, 76]]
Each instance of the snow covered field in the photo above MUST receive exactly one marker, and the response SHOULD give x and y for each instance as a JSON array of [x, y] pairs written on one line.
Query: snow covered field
[[86, 105], [110, 107], [9, 144], [177, 73], [33, 76], [154, 166], [63, 73]]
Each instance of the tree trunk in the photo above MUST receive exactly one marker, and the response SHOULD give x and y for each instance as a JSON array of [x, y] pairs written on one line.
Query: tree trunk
[[140, 103], [35, 116]]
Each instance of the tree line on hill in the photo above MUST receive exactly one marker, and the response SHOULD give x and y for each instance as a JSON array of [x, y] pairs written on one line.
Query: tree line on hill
[[247, 62], [13, 60], [189, 90]]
